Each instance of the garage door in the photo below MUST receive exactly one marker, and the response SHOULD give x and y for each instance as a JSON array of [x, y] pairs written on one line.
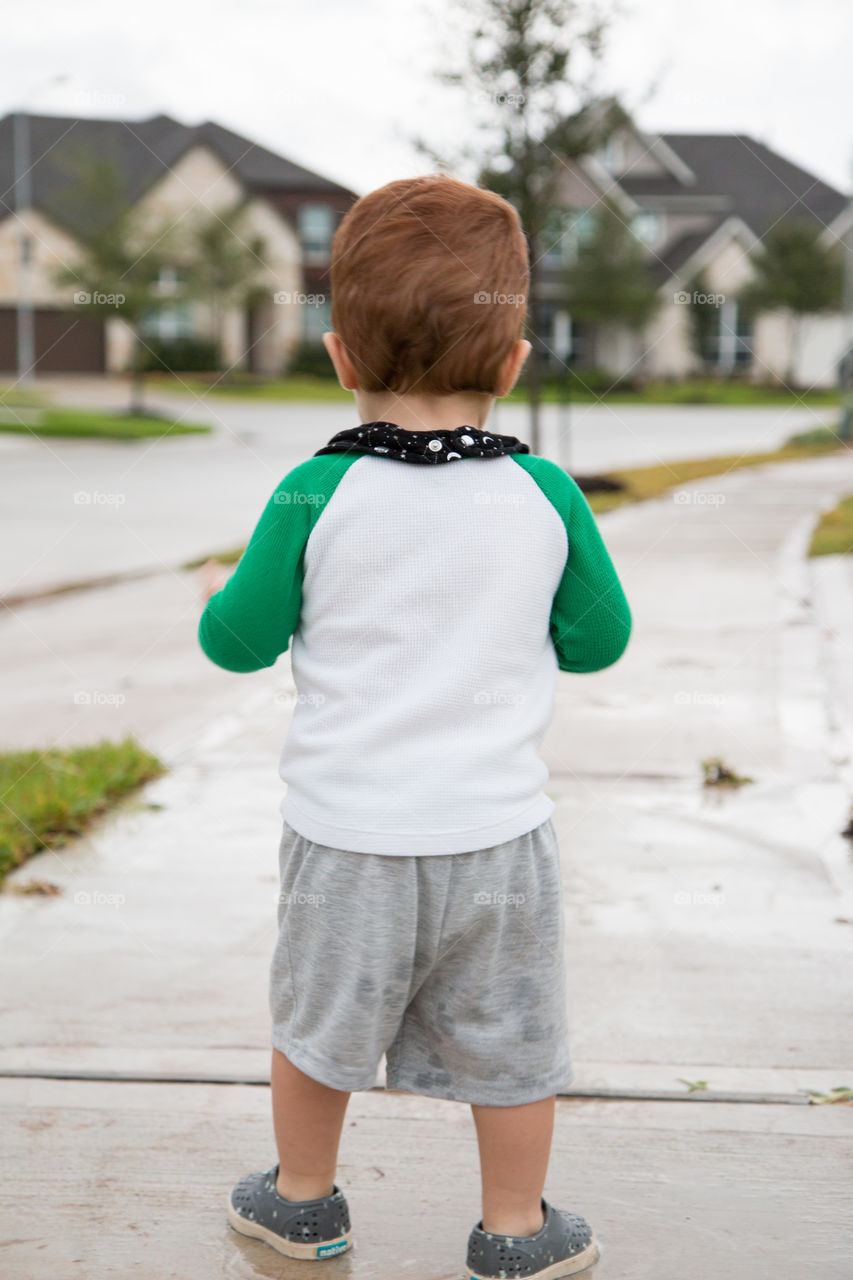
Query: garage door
[[64, 343]]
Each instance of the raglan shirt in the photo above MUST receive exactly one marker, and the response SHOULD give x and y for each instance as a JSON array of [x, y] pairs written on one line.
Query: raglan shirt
[[428, 609]]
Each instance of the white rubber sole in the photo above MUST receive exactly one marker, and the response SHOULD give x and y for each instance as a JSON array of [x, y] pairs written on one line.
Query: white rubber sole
[[570, 1267], [290, 1249]]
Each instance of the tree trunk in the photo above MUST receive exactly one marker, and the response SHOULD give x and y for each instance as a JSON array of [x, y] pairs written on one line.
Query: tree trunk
[[137, 385], [793, 349], [534, 360]]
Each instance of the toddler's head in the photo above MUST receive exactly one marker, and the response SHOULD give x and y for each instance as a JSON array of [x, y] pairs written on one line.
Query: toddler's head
[[429, 291]]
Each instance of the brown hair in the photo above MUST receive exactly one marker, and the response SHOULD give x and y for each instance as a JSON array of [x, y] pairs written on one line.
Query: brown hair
[[429, 286]]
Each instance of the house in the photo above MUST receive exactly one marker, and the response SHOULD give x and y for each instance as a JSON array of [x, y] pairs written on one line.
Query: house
[[174, 171], [701, 205]]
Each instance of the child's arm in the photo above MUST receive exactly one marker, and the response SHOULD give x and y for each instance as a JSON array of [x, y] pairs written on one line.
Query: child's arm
[[250, 622], [590, 617]]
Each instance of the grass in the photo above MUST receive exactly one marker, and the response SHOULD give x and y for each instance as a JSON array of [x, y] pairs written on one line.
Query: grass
[[51, 796], [87, 424], [581, 391], [833, 535], [252, 387], [641, 483]]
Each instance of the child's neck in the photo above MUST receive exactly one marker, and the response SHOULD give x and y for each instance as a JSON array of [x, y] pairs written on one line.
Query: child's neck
[[423, 412]]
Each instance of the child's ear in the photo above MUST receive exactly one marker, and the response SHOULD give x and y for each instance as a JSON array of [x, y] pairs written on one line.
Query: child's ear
[[340, 359], [512, 366]]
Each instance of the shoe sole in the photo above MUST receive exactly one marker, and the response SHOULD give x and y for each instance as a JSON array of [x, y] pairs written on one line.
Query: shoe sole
[[290, 1248], [568, 1267]]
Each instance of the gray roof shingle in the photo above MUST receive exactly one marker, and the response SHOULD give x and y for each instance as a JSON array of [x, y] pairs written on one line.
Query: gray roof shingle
[[760, 185], [143, 150]]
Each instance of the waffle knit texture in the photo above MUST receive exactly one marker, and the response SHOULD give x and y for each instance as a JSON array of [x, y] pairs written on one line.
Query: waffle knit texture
[[427, 611]]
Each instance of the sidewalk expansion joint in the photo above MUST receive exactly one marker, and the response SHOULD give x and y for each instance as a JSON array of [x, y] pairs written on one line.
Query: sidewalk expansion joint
[[603, 1095]]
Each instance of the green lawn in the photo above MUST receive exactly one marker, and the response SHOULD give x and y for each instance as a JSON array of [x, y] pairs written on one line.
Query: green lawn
[[50, 796], [641, 483], [833, 535], [583, 390], [84, 423]]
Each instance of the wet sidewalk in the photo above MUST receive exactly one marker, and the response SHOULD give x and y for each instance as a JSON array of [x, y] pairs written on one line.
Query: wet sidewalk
[[709, 936]]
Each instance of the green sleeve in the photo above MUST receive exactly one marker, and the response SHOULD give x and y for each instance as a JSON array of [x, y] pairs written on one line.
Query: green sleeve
[[250, 622], [590, 617]]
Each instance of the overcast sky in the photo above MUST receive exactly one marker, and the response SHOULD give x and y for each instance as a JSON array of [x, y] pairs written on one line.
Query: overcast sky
[[343, 85]]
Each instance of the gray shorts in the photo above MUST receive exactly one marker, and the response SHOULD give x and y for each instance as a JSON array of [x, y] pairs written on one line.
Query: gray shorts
[[452, 965]]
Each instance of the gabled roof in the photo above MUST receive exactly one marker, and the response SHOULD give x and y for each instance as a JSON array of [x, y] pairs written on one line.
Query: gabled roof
[[668, 261], [143, 151], [759, 185]]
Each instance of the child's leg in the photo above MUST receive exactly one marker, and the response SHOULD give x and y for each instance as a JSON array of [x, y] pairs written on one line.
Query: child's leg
[[308, 1118], [515, 1144]]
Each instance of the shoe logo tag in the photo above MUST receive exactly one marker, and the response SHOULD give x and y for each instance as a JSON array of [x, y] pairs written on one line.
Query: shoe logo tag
[[324, 1250]]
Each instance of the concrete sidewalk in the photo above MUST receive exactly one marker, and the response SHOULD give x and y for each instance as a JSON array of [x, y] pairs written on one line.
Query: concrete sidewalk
[[708, 940]]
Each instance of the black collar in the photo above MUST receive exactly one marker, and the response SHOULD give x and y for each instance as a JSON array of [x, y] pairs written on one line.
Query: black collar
[[387, 440]]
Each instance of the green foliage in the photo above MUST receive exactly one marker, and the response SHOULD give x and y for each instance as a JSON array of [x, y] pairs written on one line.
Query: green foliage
[[86, 423], [121, 258], [226, 263], [718, 774], [839, 1095], [312, 360], [609, 283], [527, 69], [703, 318], [816, 437], [51, 796], [833, 535], [180, 355], [794, 270]]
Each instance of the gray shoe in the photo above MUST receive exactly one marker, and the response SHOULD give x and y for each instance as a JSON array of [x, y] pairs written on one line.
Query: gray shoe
[[296, 1228], [563, 1246]]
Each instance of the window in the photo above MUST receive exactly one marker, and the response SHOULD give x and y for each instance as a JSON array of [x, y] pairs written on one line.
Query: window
[[647, 226], [612, 155], [728, 344], [565, 231], [170, 281], [173, 317], [315, 232], [554, 245], [173, 321]]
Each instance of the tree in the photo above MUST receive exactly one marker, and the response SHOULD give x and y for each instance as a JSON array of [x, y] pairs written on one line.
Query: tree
[[703, 317], [797, 273], [225, 261], [609, 281], [121, 258], [524, 68]]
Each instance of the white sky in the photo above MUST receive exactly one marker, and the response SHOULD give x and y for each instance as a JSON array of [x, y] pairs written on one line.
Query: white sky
[[342, 85]]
